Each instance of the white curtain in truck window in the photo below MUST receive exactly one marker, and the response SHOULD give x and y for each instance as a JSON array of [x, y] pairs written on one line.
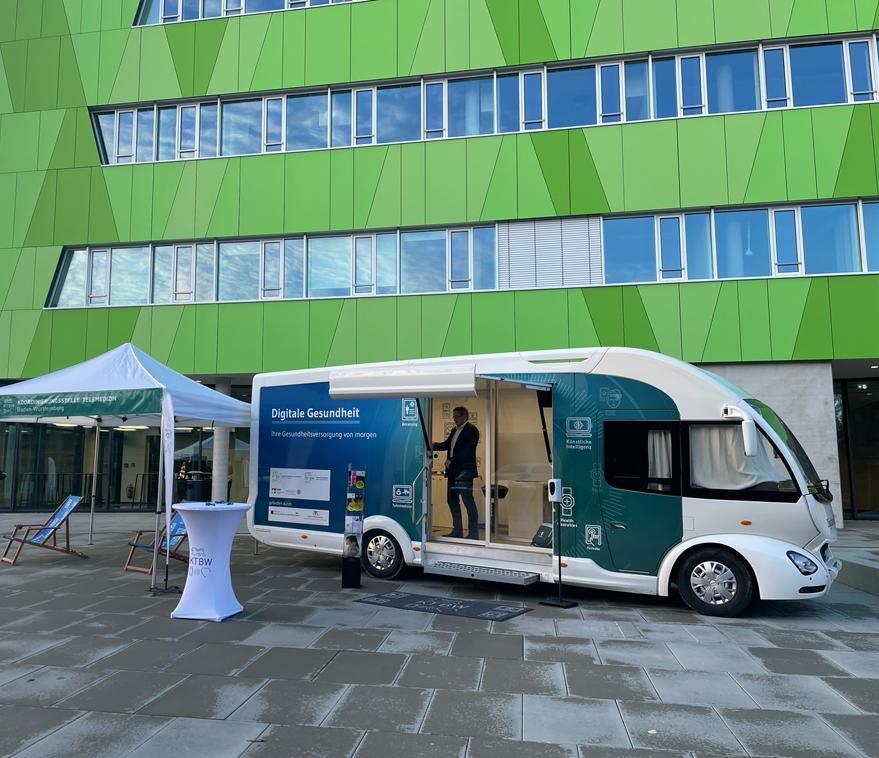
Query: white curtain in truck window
[[718, 461], [659, 454]]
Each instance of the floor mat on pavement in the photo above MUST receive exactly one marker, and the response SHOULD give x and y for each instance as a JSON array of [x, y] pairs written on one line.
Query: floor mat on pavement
[[448, 606]]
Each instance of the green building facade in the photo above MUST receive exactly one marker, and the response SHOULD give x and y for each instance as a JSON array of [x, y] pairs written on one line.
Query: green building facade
[[542, 155]]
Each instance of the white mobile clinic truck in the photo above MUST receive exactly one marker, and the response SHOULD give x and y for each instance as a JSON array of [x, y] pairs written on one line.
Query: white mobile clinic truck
[[668, 474]]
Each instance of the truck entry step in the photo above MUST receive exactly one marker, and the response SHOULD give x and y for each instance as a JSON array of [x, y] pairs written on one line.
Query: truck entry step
[[463, 570]]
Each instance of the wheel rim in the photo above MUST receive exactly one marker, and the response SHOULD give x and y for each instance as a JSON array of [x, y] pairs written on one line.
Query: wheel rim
[[713, 583], [380, 552]]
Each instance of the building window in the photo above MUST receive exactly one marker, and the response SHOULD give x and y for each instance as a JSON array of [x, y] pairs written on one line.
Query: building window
[[787, 245], [172, 11], [830, 239], [742, 239], [129, 275], [571, 97], [471, 106], [241, 127], [733, 81], [398, 113], [238, 271], [307, 121], [818, 74], [629, 249], [329, 266]]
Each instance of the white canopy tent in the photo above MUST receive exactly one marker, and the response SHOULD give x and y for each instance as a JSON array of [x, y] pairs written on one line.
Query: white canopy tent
[[123, 385]]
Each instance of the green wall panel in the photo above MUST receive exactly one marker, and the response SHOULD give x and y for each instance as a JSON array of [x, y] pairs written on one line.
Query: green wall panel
[[42, 73], [68, 340], [253, 31], [208, 180], [502, 199], [166, 322], [307, 192], [368, 167], [29, 358], [344, 193], [237, 350], [142, 202], [5, 340], [208, 39], [830, 128], [54, 19], [387, 201], [724, 336], [637, 329], [857, 166], [207, 321], [650, 168], [755, 320], [182, 353], [14, 57], [343, 347], [50, 129], [27, 193], [537, 45], [293, 64], [409, 320], [181, 43], [29, 19], [494, 317], [534, 197], [741, 20], [779, 16], [224, 78], [285, 335], [799, 155], [605, 306], [413, 184], [742, 140], [120, 326], [374, 40], [41, 230], [557, 17], [96, 331], [815, 339], [119, 191], [8, 13], [436, 313], [650, 25], [841, 16], [606, 36], [73, 192], [411, 17], [581, 328], [597, 170], [661, 307], [785, 314], [376, 321], [167, 182], [269, 71], [458, 35], [430, 55], [505, 20], [852, 308], [865, 11], [70, 91], [18, 294], [224, 219], [143, 327], [86, 50], [485, 47], [5, 94], [703, 171], [459, 337], [808, 17], [328, 29], [181, 215], [63, 150], [482, 155], [446, 181], [551, 329], [90, 17], [698, 302], [552, 152], [262, 212], [20, 142], [767, 180], [7, 209], [324, 318]]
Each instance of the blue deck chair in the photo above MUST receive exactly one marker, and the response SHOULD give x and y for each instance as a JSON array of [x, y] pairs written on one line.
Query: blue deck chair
[[45, 534], [178, 537]]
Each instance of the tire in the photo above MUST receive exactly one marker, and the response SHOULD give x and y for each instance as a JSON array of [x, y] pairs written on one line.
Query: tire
[[715, 582], [382, 556]]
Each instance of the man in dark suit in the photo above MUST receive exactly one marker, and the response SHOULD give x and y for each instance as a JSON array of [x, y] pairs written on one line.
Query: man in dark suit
[[461, 471]]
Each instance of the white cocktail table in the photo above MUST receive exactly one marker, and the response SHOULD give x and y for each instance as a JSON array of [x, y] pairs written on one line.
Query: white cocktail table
[[210, 529]]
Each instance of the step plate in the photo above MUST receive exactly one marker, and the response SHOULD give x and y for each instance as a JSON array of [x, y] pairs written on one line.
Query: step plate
[[463, 570]]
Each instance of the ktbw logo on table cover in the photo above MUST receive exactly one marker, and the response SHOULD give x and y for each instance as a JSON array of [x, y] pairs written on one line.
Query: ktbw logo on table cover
[[200, 563]]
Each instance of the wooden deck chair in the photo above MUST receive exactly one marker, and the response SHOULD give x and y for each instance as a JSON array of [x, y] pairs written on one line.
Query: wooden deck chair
[[138, 542], [46, 534]]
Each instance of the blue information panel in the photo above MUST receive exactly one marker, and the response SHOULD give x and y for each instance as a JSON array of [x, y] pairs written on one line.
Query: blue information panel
[[308, 444]]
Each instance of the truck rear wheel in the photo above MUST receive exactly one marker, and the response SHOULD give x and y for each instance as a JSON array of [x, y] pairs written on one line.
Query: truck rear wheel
[[715, 582], [382, 556]]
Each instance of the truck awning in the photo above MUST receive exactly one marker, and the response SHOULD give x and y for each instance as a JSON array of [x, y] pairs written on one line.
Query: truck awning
[[458, 380]]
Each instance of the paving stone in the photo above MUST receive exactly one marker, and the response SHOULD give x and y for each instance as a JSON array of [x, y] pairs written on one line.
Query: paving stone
[[667, 632], [144, 655], [217, 659], [386, 709], [442, 623], [561, 649], [485, 645], [97, 735], [480, 748], [442, 672], [793, 735], [860, 731], [525, 624], [431, 643], [288, 663], [352, 615], [350, 639], [139, 605], [861, 664], [42, 621], [163, 629], [609, 682], [14, 647], [636, 653], [282, 635], [384, 744], [103, 623], [678, 727], [122, 692], [68, 602], [362, 668], [612, 752], [282, 614], [46, 686], [462, 714], [864, 693], [307, 742], [785, 661], [866, 642], [573, 720], [732, 658], [233, 630], [528, 677], [206, 697], [794, 692], [217, 739], [79, 651], [11, 671], [21, 726], [598, 630], [710, 688], [284, 701], [795, 638]]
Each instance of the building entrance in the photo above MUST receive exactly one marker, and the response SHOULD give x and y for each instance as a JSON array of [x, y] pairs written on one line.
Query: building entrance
[[857, 424]]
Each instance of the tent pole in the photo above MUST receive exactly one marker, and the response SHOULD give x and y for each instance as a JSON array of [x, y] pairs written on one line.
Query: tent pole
[[94, 481], [160, 489]]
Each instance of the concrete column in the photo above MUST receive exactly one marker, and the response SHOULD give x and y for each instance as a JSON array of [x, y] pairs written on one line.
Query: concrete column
[[220, 471]]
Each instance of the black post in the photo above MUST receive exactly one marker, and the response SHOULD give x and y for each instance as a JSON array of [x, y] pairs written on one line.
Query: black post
[[557, 538]]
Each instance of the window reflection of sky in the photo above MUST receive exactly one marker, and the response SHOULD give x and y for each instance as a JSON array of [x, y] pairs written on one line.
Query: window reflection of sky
[[129, 276], [398, 113], [329, 266], [241, 127], [629, 250], [423, 262], [239, 271], [307, 122]]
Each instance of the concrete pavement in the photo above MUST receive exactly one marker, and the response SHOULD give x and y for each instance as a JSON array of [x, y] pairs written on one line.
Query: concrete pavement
[[91, 664]]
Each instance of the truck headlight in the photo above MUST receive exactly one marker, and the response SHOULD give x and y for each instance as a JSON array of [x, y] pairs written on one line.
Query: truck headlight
[[805, 566]]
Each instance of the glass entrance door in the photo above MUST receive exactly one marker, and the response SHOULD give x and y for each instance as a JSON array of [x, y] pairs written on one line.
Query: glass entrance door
[[858, 433]]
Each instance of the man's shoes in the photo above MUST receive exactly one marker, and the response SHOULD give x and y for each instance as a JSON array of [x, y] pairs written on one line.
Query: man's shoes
[[459, 535]]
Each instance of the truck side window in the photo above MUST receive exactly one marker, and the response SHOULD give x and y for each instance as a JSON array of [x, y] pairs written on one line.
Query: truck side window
[[718, 467], [642, 456]]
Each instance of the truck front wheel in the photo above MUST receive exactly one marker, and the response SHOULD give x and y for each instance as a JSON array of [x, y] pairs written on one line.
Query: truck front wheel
[[382, 557], [715, 582]]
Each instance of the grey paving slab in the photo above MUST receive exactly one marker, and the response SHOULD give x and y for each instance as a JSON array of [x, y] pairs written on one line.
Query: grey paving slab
[[709, 688], [122, 692], [14, 647], [527, 623], [12, 671], [696, 657], [805, 640], [863, 693], [282, 635], [573, 720], [355, 615], [400, 619], [386, 709], [636, 653], [609, 682], [666, 632], [145, 655], [867, 642], [163, 629], [669, 615], [127, 604], [46, 686], [485, 645], [97, 735], [442, 623], [21, 726], [217, 659], [305, 742], [206, 697], [384, 744], [561, 649], [361, 640], [42, 621], [863, 664], [68, 602], [743, 636], [78, 651], [612, 752], [678, 727], [480, 748], [859, 731], [431, 643], [217, 739], [793, 735], [527, 677], [703, 634], [620, 630], [103, 623], [786, 661], [362, 668], [462, 714], [794, 693], [284, 701], [442, 672], [233, 630], [288, 663], [282, 614]]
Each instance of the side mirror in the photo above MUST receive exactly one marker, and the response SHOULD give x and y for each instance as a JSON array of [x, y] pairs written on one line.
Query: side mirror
[[749, 436]]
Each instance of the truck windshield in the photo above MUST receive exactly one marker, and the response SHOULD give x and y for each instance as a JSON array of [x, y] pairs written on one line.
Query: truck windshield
[[816, 486]]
